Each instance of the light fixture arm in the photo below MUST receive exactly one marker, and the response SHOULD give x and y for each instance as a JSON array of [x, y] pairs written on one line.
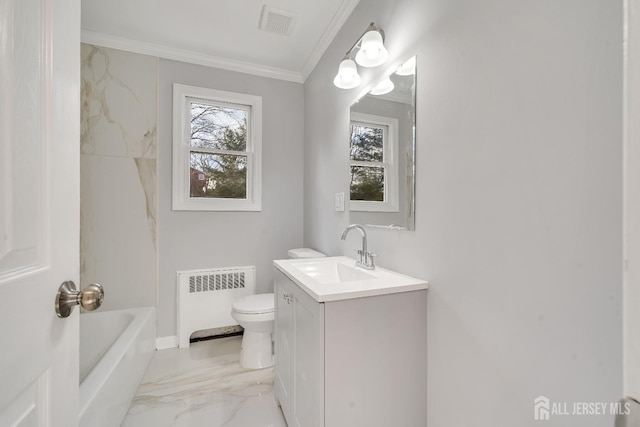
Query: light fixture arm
[[371, 27]]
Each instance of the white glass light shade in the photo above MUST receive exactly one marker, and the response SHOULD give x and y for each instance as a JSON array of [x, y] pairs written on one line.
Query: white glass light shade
[[347, 77], [372, 51], [385, 86], [408, 68]]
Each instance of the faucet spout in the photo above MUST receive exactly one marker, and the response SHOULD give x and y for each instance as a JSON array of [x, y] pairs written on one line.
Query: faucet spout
[[362, 232], [365, 259]]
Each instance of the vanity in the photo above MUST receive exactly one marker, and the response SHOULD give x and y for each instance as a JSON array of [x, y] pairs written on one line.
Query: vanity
[[350, 344]]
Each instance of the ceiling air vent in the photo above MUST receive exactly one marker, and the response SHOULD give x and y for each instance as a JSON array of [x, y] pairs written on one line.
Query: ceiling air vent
[[276, 20]]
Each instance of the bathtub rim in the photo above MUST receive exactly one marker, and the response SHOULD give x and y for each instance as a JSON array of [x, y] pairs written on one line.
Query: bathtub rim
[[93, 382]]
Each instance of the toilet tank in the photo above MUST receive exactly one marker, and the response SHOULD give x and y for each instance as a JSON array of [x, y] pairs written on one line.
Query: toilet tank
[[304, 253]]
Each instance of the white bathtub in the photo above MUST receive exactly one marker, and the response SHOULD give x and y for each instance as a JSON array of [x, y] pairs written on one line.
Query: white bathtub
[[115, 349]]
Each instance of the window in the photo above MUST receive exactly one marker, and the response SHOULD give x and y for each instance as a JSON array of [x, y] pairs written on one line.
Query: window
[[217, 139], [373, 163]]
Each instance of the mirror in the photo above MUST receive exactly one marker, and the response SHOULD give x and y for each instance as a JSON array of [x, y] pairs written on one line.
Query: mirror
[[382, 152]]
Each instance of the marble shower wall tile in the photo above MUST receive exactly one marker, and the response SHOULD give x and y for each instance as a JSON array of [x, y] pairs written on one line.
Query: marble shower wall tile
[[119, 103], [148, 178], [117, 233], [118, 178]]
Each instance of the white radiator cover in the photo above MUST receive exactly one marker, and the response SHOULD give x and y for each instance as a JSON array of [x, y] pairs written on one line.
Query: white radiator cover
[[205, 298]]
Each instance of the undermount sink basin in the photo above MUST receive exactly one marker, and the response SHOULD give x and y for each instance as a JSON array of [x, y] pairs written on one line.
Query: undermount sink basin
[[338, 278], [333, 272]]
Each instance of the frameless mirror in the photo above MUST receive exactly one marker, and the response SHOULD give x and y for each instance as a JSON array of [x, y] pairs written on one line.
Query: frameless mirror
[[382, 152]]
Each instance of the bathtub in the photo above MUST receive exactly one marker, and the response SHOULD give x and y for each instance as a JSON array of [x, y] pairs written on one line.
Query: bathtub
[[115, 349]]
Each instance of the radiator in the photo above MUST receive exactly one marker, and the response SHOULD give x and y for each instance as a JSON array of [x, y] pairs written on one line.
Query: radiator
[[205, 298]]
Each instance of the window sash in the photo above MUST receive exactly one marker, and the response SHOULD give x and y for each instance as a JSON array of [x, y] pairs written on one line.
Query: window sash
[[184, 97], [385, 138], [223, 104], [389, 163]]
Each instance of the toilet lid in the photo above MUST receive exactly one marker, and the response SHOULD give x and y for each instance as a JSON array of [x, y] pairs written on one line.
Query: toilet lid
[[254, 304], [304, 253]]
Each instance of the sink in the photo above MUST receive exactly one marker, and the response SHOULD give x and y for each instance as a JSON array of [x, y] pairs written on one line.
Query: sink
[[338, 278], [333, 272]]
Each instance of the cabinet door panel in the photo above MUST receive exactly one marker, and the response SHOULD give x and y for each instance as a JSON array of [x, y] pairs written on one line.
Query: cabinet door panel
[[283, 341], [309, 361]]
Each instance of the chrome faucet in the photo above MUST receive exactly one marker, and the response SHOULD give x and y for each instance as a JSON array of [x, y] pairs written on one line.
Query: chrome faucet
[[365, 258]]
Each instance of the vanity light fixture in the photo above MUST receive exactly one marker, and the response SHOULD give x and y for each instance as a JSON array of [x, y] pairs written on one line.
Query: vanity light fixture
[[408, 68], [371, 53], [348, 76], [384, 87]]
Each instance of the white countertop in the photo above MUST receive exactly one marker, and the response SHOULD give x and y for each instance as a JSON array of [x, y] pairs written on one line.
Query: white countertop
[[383, 281]]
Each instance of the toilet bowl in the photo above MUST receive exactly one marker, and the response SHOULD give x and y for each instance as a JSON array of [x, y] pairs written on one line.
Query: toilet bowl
[[255, 313]]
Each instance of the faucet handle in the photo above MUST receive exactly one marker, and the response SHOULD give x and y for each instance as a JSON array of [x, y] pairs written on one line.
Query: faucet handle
[[371, 259], [360, 254]]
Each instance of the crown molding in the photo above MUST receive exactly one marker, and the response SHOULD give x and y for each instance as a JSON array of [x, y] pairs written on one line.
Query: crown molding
[[341, 16], [144, 48]]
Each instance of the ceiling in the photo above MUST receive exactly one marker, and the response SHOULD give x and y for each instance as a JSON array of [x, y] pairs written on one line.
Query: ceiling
[[219, 33]]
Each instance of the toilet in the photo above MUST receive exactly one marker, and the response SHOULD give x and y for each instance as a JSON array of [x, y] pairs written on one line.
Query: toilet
[[255, 313]]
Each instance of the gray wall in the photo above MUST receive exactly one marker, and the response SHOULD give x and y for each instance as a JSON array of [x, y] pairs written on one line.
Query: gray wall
[[519, 197], [191, 240]]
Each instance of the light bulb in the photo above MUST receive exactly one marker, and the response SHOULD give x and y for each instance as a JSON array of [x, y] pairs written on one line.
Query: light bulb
[[384, 87], [408, 68], [372, 51], [347, 77]]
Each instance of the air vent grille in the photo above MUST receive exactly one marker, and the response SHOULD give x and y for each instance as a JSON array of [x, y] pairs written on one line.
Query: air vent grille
[[216, 282], [276, 20]]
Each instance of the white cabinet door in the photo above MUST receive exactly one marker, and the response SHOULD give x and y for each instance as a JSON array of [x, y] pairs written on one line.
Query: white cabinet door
[[283, 341], [299, 368], [39, 209], [308, 401]]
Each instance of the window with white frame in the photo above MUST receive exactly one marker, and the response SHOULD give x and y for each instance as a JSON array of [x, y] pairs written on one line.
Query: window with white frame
[[217, 141], [373, 163]]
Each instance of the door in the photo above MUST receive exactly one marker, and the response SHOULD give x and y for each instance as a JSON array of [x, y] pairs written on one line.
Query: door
[[631, 288], [39, 210]]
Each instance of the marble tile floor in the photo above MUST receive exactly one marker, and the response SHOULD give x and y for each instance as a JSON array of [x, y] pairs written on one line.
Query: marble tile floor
[[204, 386]]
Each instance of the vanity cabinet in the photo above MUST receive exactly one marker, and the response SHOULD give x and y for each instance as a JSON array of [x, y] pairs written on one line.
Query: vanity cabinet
[[350, 362], [299, 344]]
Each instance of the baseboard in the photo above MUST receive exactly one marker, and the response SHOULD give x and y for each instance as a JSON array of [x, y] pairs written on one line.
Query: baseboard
[[163, 343]]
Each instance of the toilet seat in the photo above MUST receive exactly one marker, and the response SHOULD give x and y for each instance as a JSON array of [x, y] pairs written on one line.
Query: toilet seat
[[254, 304]]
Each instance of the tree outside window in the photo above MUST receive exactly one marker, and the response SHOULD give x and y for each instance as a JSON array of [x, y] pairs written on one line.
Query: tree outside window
[[218, 158], [373, 163], [367, 157]]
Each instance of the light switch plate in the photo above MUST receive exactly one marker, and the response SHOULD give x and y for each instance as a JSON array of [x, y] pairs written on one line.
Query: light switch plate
[[339, 202]]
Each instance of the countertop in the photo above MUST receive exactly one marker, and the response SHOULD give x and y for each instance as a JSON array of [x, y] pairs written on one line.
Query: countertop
[[384, 281]]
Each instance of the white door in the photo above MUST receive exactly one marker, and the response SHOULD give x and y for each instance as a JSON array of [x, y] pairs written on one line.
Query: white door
[[39, 209], [631, 295]]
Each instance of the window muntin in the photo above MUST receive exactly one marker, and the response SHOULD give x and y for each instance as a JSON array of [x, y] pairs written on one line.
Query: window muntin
[[217, 150]]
